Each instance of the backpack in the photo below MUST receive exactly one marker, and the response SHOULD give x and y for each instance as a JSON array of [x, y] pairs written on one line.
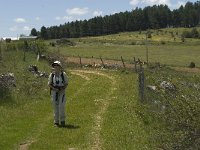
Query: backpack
[[62, 76], [52, 75]]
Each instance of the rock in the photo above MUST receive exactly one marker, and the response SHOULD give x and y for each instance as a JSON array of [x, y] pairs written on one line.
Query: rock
[[151, 87], [33, 68], [36, 72], [7, 80], [167, 85]]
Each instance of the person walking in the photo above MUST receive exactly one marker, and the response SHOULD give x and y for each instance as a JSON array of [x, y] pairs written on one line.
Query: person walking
[[58, 82]]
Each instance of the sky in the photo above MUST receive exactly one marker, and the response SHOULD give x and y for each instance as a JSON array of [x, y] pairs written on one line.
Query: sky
[[20, 16]]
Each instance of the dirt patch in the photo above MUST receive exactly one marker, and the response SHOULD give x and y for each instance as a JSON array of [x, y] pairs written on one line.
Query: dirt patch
[[24, 146]]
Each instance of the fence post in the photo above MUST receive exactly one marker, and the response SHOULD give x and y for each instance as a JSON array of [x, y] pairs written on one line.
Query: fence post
[[80, 60], [102, 62], [123, 62], [1, 56], [141, 82], [135, 65]]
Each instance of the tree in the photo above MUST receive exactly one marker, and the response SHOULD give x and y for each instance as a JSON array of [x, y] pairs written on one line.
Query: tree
[[44, 34], [150, 17], [34, 32]]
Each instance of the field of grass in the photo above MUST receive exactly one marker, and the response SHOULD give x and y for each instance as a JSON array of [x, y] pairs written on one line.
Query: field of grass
[[100, 109], [161, 47], [103, 108]]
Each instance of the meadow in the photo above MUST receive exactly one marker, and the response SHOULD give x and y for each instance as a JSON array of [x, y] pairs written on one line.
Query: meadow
[[103, 108], [99, 113], [164, 46]]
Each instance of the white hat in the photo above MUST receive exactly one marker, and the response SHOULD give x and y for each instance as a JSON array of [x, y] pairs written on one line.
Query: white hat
[[57, 63]]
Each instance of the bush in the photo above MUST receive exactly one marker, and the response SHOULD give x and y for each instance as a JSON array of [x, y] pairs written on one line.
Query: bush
[[162, 42], [191, 34], [195, 33], [149, 35], [64, 41], [52, 44], [192, 65], [187, 34]]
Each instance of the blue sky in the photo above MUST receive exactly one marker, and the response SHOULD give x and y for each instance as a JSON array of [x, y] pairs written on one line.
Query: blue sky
[[20, 16]]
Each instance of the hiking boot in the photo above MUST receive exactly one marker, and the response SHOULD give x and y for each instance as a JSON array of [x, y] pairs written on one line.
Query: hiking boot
[[62, 123], [56, 124]]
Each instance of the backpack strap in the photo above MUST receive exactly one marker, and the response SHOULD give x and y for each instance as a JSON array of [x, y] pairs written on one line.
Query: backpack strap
[[52, 75], [62, 76]]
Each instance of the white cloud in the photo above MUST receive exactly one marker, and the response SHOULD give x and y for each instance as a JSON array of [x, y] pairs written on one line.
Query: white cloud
[[20, 20], [114, 12], [157, 2], [37, 18], [97, 13], [65, 18], [26, 28], [77, 11], [134, 2], [150, 2], [14, 28], [179, 3], [68, 18]]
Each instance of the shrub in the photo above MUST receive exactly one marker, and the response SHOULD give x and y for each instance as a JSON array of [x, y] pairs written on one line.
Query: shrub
[[191, 34], [162, 42], [149, 35], [192, 65], [195, 33], [187, 34]]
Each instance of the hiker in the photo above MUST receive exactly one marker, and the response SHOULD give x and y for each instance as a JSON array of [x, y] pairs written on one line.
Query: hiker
[[58, 82]]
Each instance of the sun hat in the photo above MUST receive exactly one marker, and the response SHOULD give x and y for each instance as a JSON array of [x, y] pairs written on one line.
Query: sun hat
[[56, 63]]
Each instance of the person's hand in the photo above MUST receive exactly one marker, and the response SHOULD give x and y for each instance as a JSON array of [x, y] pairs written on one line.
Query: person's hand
[[62, 88], [56, 89]]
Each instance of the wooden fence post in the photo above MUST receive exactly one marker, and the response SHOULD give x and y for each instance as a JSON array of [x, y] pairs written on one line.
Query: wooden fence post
[[1, 56], [135, 65], [123, 62], [102, 62], [80, 60], [141, 82]]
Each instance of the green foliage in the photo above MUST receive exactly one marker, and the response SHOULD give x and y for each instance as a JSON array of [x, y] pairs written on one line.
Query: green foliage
[[34, 32]]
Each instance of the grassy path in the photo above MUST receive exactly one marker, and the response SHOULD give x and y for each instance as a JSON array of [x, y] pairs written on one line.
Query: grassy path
[[104, 103], [100, 115]]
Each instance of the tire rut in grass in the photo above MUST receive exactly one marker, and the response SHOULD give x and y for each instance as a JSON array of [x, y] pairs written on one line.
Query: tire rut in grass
[[96, 142]]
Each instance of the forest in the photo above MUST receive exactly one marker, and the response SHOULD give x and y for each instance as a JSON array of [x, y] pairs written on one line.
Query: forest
[[151, 17]]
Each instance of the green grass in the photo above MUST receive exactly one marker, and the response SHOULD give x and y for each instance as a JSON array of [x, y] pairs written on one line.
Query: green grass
[[122, 127], [132, 44], [178, 109], [102, 105], [27, 115]]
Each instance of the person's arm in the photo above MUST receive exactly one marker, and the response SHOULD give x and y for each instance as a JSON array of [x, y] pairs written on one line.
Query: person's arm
[[66, 81]]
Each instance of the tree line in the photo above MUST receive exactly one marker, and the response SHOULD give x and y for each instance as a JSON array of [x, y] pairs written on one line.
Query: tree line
[[150, 17]]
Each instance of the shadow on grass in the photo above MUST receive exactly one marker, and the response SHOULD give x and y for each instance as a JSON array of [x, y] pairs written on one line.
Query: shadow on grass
[[70, 126]]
